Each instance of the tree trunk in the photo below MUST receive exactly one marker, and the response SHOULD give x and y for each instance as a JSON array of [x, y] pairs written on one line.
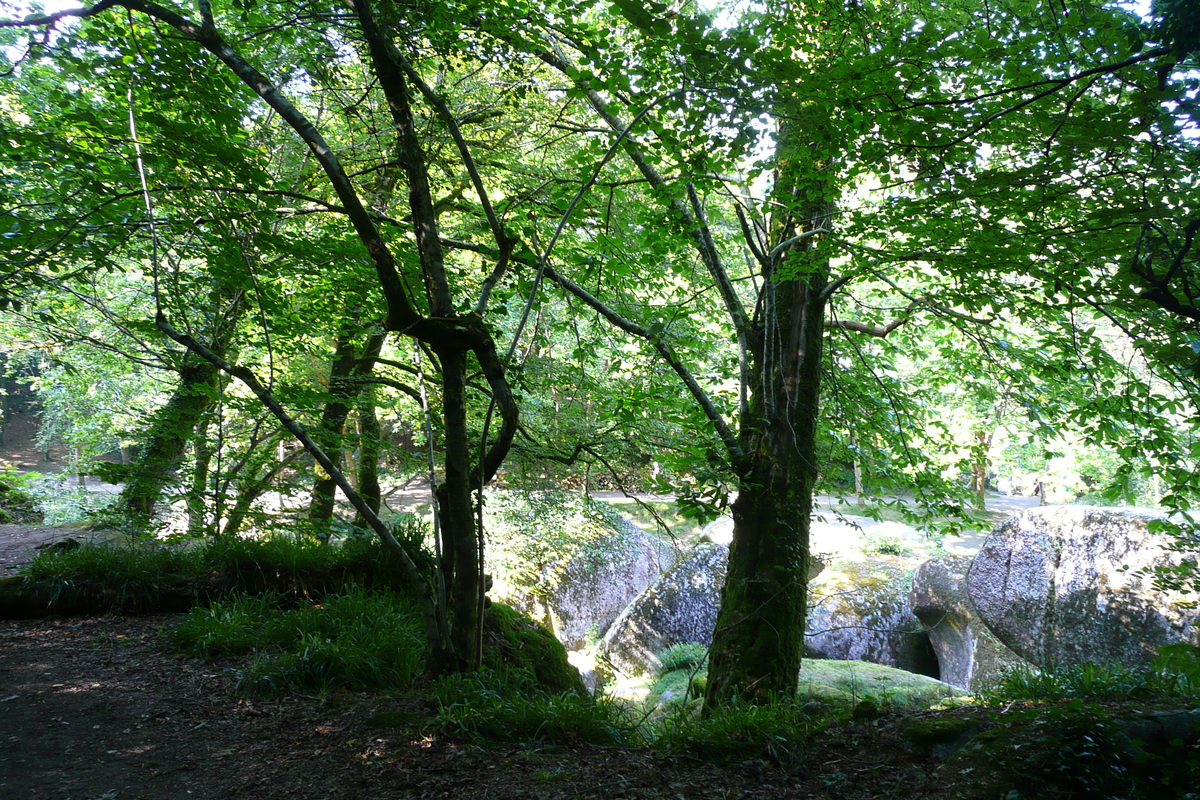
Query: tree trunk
[[329, 433], [369, 439], [346, 375], [460, 542], [759, 637], [979, 469], [163, 446], [197, 507]]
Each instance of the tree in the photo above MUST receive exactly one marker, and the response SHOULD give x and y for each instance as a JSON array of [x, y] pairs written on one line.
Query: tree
[[937, 151], [455, 337], [783, 170]]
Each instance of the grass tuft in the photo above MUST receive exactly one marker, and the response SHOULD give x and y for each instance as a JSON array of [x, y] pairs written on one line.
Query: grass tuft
[[777, 731], [361, 641], [685, 655], [508, 707]]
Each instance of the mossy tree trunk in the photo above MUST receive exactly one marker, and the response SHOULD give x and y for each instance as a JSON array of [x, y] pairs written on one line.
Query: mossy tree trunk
[[759, 638], [202, 454], [351, 367], [162, 448], [370, 437]]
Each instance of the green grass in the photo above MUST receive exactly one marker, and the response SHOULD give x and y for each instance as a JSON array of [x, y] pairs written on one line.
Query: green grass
[[1174, 676], [685, 655], [132, 577], [134, 574], [778, 731], [361, 641], [508, 707]]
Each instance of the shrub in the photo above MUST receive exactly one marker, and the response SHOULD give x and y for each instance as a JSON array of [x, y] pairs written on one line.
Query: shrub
[[131, 578], [141, 577], [17, 506]]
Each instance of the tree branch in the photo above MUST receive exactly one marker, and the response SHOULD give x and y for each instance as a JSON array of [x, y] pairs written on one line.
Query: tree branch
[[435, 627]]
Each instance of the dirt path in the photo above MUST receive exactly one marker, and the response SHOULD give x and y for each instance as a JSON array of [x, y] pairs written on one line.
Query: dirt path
[[19, 450], [94, 708], [19, 543]]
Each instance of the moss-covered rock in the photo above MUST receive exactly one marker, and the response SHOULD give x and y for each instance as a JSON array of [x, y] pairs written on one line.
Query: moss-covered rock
[[858, 610], [571, 563], [18, 507], [512, 640], [846, 684]]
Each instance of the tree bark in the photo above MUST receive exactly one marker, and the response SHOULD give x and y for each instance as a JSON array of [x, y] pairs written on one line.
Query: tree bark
[[163, 446], [759, 637], [370, 437], [329, 433], [460, 545]]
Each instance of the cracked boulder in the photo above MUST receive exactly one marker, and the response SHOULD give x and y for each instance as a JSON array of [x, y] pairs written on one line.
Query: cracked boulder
[[858, 610], [570, 563], [969, 656], [1067, 585]]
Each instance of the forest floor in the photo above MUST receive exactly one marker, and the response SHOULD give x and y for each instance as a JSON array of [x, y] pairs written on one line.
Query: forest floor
[[99, 709]]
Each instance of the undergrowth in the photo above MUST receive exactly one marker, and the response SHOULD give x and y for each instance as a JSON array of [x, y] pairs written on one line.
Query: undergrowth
[[135, 574], [362, 640], [777, 731], [130, 578], [1173, 675], [507, 706]]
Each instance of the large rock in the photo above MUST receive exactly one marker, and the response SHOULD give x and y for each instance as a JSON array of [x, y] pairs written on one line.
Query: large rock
[[1067, 585], [568, 562], [680, 606], [858, 611], [849, 683], [968, 655]]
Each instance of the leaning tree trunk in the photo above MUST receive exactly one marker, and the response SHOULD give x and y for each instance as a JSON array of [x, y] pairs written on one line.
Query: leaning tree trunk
[[163, 446]]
